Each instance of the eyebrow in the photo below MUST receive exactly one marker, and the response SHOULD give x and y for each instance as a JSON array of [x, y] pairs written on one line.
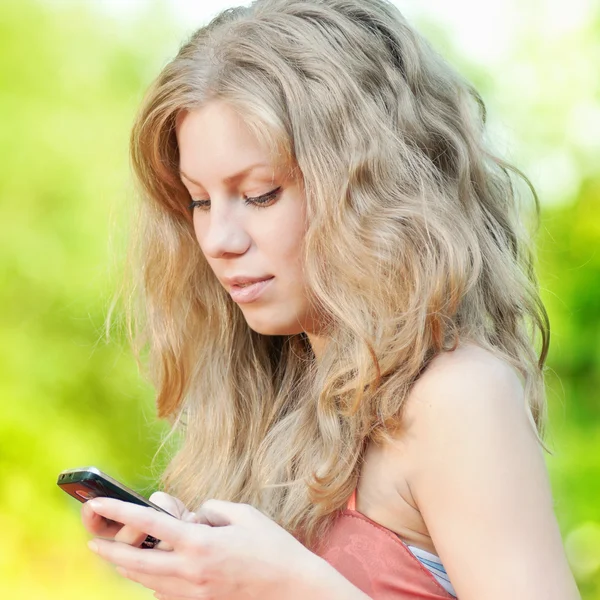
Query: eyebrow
[[231, 178]]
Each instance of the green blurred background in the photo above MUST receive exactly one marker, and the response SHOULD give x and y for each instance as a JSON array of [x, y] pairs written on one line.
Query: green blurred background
[[72, 73]]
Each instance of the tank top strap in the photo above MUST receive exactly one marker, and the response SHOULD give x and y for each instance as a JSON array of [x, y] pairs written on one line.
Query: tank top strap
[[430, 562], [352, 501]]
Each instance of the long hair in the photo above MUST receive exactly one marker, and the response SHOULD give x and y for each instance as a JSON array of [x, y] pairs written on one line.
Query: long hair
[[416, 243]]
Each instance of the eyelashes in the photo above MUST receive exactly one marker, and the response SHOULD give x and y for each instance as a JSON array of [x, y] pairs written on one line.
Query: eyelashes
[[202, 204], [258, 202]]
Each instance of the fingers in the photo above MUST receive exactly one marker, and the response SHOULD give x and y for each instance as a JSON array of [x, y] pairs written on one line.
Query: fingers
[[220, 513], [168, 588], [131, 536], [140, 518], [104, 528], [189, 517], [154, 563], [164, 546], [172, 505], [198, 517], [101, 527], [163, 597], [97, 525]]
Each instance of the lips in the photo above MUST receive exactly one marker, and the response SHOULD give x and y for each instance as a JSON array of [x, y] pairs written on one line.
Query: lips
[[247, 289]]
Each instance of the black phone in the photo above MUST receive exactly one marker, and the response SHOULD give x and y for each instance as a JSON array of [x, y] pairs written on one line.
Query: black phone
[[85, 483]]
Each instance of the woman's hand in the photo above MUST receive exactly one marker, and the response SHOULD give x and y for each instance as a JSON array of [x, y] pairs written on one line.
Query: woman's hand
[[110, 530], [232, 552]]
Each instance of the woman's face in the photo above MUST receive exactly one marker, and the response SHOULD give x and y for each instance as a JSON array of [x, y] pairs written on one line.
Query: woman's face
[[249, 219]]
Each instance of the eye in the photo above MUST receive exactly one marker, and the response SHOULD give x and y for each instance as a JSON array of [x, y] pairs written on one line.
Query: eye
[[201, 204], [259, 201], [264, 200]]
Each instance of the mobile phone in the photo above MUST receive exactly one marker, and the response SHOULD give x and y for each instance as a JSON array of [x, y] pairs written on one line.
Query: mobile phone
[[85, 483]]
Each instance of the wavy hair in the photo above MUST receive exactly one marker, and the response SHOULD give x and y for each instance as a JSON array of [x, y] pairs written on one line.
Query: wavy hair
[[416, 243]]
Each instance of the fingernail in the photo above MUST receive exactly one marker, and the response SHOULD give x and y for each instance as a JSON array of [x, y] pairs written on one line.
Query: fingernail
[[93, 546], [94, 504]]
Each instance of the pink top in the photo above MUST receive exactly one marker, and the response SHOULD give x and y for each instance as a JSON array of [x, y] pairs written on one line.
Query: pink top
[[377, 561]]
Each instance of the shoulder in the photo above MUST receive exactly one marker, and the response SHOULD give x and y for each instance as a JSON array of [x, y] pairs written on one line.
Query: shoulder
[[467, 388], [469, 368], [466, 414], [478, 477]]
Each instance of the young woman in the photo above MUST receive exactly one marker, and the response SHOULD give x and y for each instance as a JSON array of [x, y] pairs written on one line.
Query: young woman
[[342, 319]]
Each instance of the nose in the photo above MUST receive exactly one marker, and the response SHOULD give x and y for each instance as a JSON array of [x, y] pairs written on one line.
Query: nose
[[221, 233]]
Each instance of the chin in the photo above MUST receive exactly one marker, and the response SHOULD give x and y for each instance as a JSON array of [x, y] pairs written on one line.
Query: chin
[[274, 327]]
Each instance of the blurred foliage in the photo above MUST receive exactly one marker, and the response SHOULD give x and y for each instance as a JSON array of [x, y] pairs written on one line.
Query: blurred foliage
[[70, 81]]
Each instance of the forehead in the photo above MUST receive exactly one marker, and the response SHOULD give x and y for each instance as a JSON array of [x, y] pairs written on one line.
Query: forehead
[[216, 133], [216, 142]]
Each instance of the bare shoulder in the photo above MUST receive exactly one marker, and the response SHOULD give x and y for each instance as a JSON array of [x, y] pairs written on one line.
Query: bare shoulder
[[478, 478], [467, 367], [469, 383], [468, 409]]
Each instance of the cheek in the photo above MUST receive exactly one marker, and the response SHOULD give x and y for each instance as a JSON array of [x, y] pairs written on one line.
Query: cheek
[[286, 237], [290, 255], [200, 235], [200, 231], [198, 228], [286, 253]]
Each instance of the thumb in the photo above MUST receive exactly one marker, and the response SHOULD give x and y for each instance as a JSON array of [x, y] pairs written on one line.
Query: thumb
[[172, 505], [220, 513]]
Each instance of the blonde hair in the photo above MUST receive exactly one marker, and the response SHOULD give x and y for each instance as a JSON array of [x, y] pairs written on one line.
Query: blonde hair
[[415, 244]]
